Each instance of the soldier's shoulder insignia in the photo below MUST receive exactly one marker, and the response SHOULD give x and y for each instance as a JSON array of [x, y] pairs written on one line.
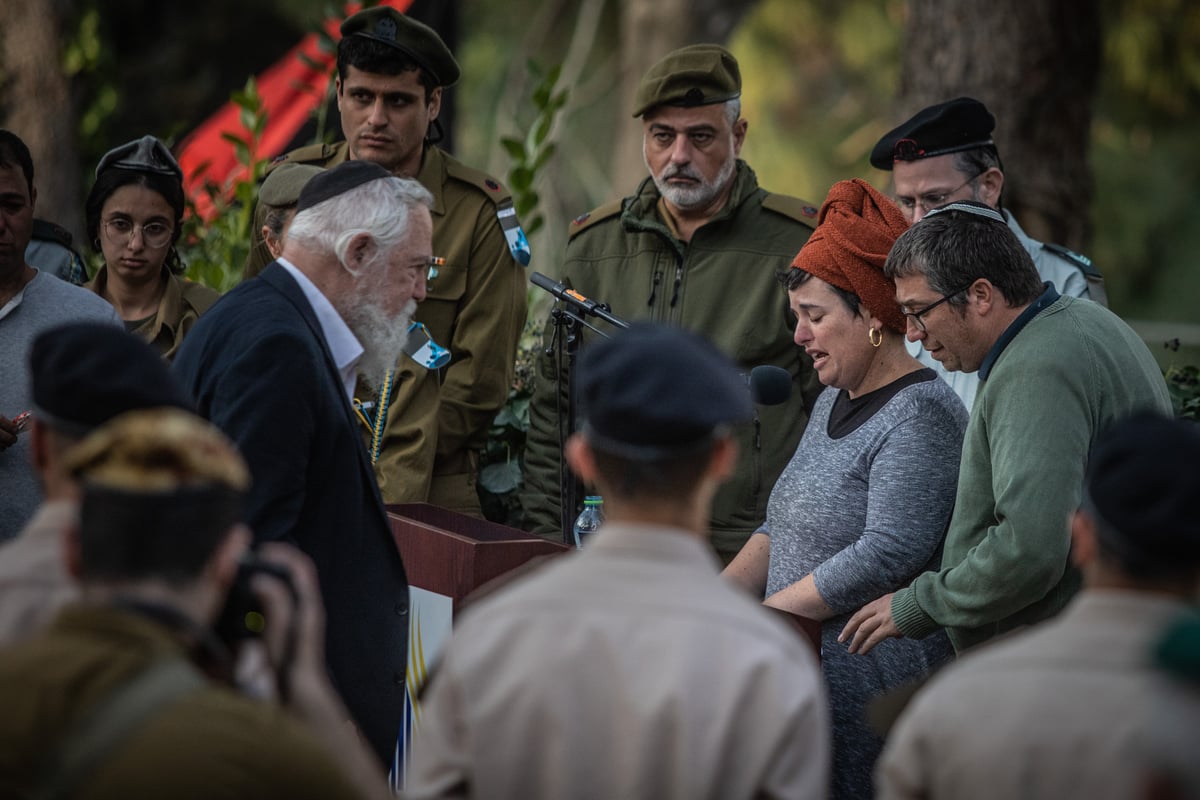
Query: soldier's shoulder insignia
[[492, 188], [1084, 263], [801, 211], [320, 154], [585, 221]]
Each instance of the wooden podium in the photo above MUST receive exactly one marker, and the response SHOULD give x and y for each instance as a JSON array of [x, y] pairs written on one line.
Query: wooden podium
[[452, 554]]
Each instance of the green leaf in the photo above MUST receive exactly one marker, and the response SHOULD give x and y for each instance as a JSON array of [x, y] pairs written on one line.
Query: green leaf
[[534, 225], [515, 147], [500, 478], [542, 129], [520, 179]]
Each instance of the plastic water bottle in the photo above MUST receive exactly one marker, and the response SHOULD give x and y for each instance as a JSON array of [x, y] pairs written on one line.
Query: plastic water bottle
[[590, 519]]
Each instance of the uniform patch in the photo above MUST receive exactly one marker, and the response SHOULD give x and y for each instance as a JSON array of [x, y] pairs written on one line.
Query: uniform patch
[[518, 244], [582, 218], [491, 184]]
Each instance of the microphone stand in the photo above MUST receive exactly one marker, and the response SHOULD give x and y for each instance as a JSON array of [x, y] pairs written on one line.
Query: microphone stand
[[569, 322]]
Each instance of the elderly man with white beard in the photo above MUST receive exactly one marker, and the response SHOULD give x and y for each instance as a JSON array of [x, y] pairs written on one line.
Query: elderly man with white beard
[[274, 365]]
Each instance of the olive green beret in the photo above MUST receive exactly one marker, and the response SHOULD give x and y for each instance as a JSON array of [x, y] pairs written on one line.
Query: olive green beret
[[282, 187], [696, 75], [416, 40]]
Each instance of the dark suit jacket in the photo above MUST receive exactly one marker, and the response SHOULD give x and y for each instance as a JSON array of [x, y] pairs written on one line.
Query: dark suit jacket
[[258, 367]]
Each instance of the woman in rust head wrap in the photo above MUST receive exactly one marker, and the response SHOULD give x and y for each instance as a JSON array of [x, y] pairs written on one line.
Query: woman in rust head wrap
[[863, 505]]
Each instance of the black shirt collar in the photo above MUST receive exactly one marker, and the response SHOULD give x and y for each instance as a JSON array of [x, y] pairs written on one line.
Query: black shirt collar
[[1049, 296]]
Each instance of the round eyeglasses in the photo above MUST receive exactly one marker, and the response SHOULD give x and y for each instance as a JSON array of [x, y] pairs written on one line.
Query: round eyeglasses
[[154, 234]]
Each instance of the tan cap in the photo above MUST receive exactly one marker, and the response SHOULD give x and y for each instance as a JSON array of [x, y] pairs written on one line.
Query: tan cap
[[696, 75], [282, 187]]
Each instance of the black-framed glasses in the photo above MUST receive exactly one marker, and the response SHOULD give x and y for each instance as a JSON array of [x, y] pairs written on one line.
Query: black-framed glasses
[[916, 316], [154, 234], [931, 200]]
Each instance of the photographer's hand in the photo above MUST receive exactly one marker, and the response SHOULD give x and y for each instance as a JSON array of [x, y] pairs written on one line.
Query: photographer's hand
[[301, 663]]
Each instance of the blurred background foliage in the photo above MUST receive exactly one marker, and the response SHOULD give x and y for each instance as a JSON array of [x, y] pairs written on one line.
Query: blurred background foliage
[[821, 80]]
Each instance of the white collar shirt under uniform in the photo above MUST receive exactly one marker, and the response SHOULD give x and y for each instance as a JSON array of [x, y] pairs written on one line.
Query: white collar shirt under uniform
[[343, 344], [1056, 711], [630, 670]]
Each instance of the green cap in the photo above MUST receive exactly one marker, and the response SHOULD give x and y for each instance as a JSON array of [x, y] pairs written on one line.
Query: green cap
[[696, 75], [415, 39], [282, 187]]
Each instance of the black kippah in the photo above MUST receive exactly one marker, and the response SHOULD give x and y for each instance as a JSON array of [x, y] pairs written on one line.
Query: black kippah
[[338, 180], [84, 374]]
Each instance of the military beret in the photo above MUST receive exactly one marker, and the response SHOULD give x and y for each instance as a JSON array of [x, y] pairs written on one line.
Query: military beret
[[696, 75], [282, 187], [146, 154], [84, 374], [960, 124], [416, 40], [654, 391], [1143, 480], [329, 183]]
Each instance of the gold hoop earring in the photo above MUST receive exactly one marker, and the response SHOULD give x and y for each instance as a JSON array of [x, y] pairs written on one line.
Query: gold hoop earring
[[875, 336]]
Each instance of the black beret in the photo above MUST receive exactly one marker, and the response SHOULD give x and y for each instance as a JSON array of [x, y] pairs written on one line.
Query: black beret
[[146, 154], [282, 186], [1143, 479], [86, 373], [415, 39], [696, 75], [654, 391], [330, 183], [960, 124]]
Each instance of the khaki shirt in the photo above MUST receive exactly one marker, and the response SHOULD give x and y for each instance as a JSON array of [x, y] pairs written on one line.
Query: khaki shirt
[[210, 743], [182, 303], [428, 448], [628, 670]]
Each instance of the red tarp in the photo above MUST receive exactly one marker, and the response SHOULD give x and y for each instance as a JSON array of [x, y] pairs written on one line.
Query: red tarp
[[291, 90]]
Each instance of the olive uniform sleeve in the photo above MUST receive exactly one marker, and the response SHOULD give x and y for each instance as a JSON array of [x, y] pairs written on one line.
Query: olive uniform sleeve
[[403, 449]]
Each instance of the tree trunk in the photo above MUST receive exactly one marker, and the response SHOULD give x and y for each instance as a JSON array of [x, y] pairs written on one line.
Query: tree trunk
[[1035, 66], [37, 106], [649, 29]]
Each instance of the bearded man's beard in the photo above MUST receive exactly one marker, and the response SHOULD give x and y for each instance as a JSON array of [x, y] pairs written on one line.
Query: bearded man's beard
[[382, 337]]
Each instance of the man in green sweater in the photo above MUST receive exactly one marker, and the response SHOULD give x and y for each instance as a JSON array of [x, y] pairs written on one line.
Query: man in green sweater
[[1054, 371]]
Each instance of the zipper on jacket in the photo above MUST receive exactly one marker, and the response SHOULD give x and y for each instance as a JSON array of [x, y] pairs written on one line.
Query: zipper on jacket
[[654, 288], [678, 283]]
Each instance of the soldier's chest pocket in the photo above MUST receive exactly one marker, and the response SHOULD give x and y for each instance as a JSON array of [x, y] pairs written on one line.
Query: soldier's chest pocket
[[450, 284]]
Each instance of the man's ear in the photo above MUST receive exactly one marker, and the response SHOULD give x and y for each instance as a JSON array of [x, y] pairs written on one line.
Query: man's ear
[[580, 458], [723, 459], [435, 102], [1083, 539], [991, 184], [739, 135], [222, 565], [360, 251], [983, 296]]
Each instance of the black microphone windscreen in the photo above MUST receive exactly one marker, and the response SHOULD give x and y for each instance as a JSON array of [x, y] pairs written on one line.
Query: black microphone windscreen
[[770, 385]]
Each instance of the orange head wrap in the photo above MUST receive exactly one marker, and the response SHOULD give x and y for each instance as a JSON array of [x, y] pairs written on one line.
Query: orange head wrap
[[855, 231]]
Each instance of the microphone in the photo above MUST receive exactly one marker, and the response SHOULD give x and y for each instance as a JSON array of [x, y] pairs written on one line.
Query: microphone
[[586, 304], [770, 385]]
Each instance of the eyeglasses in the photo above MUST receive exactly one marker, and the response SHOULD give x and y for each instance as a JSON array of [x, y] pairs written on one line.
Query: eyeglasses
[[154, 234], [916, 316], [931, 200]]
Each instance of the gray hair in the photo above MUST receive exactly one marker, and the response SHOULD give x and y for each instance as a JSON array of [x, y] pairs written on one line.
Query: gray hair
[[733, 110], [954, 248], [378, 208]]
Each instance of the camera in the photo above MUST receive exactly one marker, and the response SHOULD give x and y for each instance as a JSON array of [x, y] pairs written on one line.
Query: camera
[[242, 617]]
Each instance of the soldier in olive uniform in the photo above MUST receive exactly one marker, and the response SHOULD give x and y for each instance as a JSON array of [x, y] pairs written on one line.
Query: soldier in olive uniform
[[392, 71], [699, 245]]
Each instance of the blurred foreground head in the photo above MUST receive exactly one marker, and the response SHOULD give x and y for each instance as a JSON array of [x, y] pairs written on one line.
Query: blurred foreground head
[[161, 490]]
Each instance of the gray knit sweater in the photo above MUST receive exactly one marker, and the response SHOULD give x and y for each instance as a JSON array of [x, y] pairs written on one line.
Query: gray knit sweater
[[865, 514]]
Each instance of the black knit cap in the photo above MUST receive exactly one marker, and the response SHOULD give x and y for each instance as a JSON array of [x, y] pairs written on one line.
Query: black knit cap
[[338, 180], [146, 154], [415, 39], [1143, 480], [655, 391], [85, 373], [960, 124]]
